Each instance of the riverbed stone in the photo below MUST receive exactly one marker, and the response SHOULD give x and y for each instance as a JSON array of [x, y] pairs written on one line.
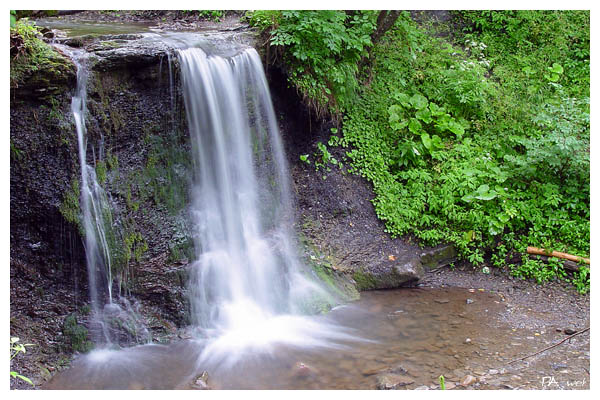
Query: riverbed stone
[[468, 380], [390, 381]]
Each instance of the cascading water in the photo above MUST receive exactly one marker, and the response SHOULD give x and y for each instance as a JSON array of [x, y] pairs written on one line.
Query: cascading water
[[94, 204], [96, 220], [248, 286]]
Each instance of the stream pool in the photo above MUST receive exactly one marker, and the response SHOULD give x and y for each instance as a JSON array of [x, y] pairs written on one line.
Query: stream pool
[[406, 339]]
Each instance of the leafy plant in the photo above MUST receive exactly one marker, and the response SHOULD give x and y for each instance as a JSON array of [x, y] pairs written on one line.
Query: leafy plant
[[453, 155], [77, 334], [214, 15], [581, 280], [321, 49], [479, 138], [15, 349]]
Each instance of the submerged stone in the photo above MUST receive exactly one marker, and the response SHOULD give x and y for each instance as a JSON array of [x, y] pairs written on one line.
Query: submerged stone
[[391, 381]]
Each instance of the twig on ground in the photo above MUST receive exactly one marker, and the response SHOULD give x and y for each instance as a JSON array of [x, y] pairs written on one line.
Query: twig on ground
[[550, 347]]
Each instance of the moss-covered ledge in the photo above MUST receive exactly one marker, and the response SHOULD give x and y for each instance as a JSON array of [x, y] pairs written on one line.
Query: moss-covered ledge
[[36, 68]]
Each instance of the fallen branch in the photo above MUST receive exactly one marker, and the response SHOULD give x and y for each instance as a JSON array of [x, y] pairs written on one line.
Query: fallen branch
[[557, 254], [550, 347]]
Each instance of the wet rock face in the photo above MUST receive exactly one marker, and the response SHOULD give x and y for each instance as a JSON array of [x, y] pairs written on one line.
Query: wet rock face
[[43, 151], [136, 140], [136, 55]]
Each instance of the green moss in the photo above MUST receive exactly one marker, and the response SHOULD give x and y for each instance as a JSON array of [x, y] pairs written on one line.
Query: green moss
[[101, 172], [181, 251], [36, 62], [112, 161], [135, 246], [69, 208], [363, 280], [339, 286], [77, 335], [161, 180], [15, 152]]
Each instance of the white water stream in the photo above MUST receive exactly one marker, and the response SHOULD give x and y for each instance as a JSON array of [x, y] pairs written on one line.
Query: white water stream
[[248, 287]]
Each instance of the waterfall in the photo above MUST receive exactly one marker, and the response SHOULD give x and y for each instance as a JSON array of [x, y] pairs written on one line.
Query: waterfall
[[95, 208], [248, 288], [108, 315], [247, 284]]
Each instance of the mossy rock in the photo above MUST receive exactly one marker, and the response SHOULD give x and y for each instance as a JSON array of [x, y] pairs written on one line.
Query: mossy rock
[[37, 68], [76, 335]]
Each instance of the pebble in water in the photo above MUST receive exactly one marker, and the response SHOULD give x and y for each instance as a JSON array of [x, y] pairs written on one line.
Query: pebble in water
[[393, 381], [468, 380]]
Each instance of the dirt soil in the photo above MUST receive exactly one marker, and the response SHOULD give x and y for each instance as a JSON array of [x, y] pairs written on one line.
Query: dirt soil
[[550, 312]]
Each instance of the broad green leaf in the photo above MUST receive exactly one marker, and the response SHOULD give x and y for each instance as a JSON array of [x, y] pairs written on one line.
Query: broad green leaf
[[556, 68], [403, 98], [395, 109], [437, 142], [495, 228], [487, 196], [552, 77], [527, 70], [426, 141], [436, 110], [399, 125], [455, 128], [415, 126], [468, 198], [419, 101], [483, 189], [468, 236], [503, 218], [424, 115]]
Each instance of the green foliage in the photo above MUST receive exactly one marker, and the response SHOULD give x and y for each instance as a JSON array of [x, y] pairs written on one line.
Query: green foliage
[[16, 348], [468, 146], [536, 40], [101, 172], [442, 382], [15, 152], [135, 247], [321, 50], [162, 180], [364, 281], [581, 280], [214, 15], [538, 270]]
